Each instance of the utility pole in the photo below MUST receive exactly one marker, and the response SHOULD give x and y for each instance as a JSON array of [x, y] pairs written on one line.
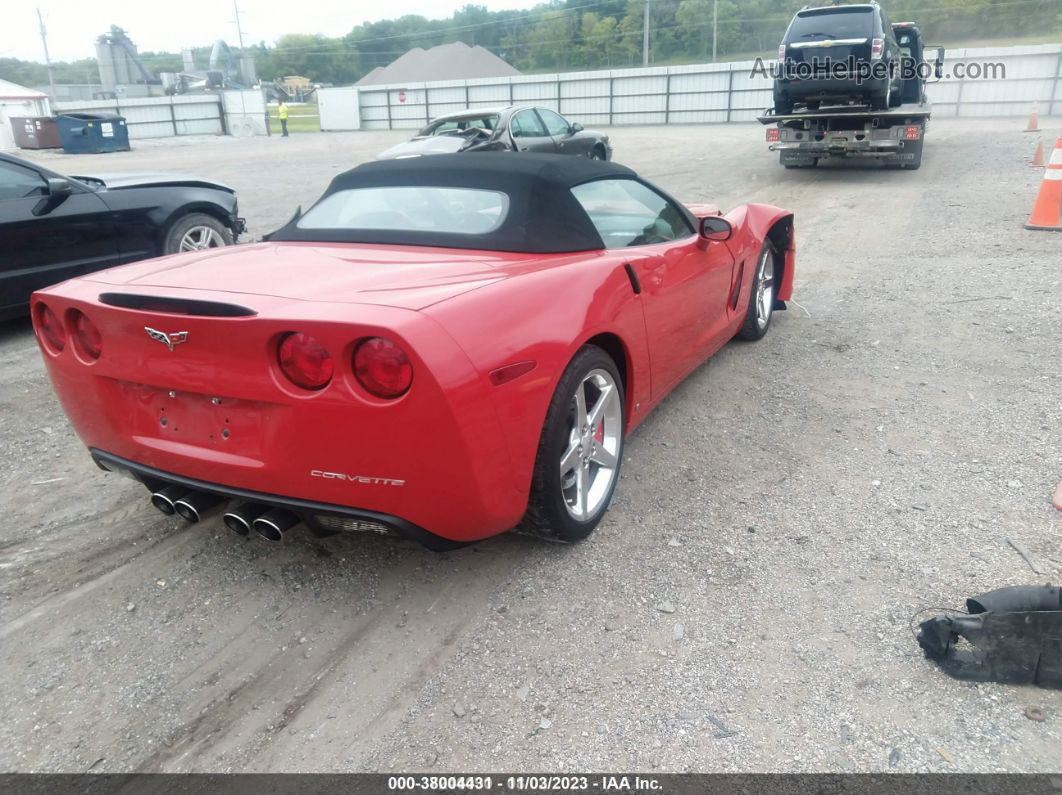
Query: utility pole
[[715, 28], [47, 59], [247, 70], [645, 35], [239, 30]]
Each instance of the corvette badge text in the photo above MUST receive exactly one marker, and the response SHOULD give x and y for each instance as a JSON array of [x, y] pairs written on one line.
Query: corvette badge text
[[318, 473]]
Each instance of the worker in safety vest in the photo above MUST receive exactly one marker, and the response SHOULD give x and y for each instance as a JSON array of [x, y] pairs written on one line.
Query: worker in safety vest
[[282, 114]]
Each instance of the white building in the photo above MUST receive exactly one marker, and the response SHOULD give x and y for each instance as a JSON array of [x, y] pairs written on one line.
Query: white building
[[15, 101]]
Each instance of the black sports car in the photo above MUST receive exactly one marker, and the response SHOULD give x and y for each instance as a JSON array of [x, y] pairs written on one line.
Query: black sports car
[[54, 227], [521, 128]]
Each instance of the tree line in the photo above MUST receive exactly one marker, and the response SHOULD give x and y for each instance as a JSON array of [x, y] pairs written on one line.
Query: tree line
[[581, 34]]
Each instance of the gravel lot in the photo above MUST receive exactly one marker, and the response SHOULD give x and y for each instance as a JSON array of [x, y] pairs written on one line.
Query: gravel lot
[[746, 604]]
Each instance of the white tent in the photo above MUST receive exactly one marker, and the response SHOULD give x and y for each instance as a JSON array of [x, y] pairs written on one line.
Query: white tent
[[15, 101]]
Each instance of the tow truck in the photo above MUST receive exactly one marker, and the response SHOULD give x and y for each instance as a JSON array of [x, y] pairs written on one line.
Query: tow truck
[[894, 136]]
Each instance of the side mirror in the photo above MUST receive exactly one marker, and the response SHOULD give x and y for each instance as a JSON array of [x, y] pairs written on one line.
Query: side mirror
[[715, 227], [59, 188], [576, 127], [938, 67], [54, 194]]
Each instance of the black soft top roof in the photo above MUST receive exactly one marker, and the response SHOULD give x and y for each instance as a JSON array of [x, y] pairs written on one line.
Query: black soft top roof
[[544, 217]]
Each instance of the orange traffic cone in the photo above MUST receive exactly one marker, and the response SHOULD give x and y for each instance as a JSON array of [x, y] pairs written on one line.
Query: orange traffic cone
[[1047, 212], [1034, 119], [1038, 155]]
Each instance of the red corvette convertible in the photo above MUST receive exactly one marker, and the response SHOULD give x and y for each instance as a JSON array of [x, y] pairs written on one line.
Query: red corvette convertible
[[445, 348]]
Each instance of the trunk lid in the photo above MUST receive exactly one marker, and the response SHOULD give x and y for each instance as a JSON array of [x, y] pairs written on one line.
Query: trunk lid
[[402, 276]]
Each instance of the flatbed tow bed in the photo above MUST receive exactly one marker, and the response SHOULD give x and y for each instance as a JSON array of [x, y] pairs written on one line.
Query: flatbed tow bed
[[803, 138]]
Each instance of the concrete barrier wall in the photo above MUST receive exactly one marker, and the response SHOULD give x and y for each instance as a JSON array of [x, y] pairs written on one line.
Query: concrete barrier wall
[[245, 113]]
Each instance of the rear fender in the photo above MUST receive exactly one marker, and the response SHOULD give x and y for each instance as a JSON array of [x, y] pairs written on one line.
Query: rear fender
[[545, 317]]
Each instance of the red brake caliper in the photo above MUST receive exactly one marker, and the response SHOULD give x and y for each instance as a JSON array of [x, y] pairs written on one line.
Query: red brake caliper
[[599, 432]]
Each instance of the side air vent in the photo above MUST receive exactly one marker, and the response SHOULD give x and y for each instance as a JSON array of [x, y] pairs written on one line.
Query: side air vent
[[176, 306]]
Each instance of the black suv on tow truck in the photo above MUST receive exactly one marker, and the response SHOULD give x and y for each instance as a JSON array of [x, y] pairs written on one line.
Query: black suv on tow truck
[[892, 135], [838, 55]]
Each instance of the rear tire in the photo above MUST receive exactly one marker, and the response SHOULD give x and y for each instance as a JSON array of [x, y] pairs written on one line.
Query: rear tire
[[578, 461], [195, 232], [761, 296]]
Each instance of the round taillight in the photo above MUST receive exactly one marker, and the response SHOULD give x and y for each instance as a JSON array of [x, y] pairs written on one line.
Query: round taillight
[[305, 361], [383, 368], [87, 336], [51, 328]]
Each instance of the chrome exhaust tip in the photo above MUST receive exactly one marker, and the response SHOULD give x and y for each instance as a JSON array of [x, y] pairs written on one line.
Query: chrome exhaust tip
[[165, 499], [240, 518], [273, 524], [194, 504]]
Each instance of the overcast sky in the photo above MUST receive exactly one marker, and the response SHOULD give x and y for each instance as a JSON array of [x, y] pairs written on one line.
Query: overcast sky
[[73, 25]]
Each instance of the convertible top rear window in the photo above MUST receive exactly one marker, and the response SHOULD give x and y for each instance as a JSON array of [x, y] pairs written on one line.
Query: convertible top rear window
[[458, 211]]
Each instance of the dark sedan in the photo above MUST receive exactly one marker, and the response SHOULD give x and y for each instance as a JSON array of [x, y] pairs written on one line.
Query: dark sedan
[[513, 128], [54, 227]]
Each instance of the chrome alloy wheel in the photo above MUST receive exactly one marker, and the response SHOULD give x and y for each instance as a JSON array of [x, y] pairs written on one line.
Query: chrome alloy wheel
[[200, 237], [589, 464], [765, 289]]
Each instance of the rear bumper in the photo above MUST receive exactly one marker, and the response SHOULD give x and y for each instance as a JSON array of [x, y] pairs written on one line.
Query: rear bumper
[[314, 514], [851, 147], [830, 87], [216, 410], [889, 149]]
